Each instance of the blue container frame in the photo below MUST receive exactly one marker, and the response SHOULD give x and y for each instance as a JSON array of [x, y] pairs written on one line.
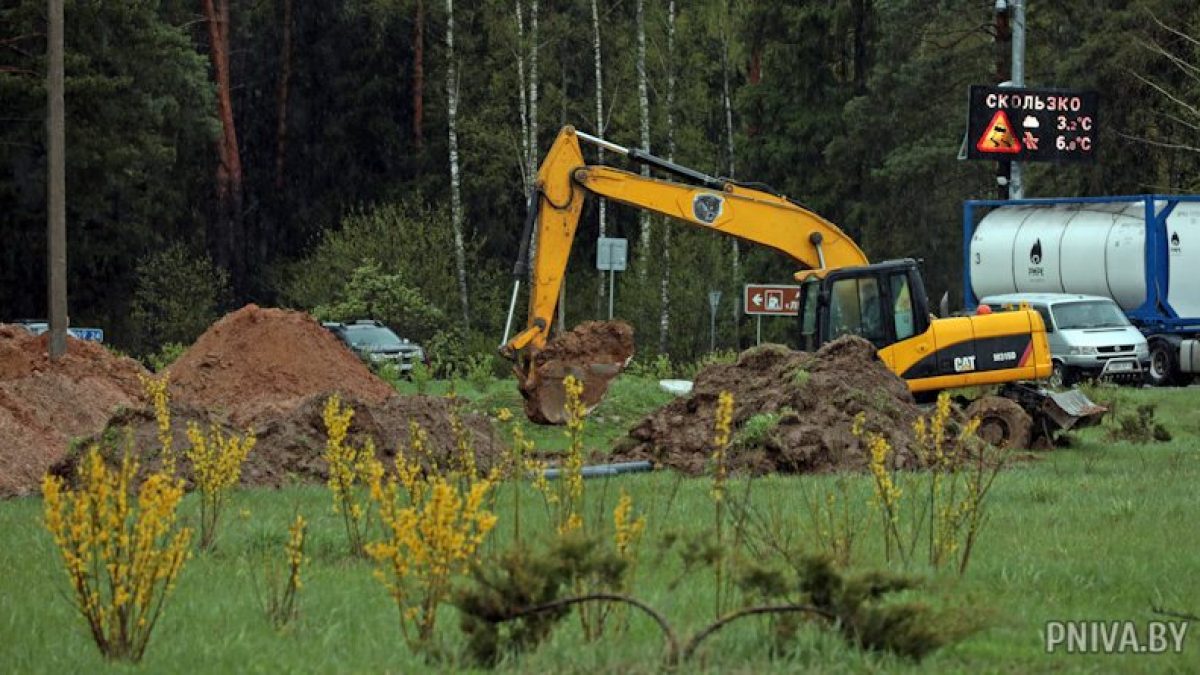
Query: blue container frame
[[1155, 315]]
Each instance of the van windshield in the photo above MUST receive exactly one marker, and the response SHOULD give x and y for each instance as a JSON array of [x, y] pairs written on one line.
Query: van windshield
[[1088, 314]]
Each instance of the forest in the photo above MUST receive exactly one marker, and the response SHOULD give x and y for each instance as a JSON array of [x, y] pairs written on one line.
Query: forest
[[375, 156]]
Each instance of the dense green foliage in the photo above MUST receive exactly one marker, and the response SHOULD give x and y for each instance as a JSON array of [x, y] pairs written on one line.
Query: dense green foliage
[[177, 295], [852, 107]]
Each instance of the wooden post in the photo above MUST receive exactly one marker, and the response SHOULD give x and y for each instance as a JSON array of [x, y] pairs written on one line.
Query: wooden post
[[56, 199]]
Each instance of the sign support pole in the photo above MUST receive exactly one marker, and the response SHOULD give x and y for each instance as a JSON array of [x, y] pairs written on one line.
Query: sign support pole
[[1016, 178], [758, 331], [1003, 35], [612, 276]]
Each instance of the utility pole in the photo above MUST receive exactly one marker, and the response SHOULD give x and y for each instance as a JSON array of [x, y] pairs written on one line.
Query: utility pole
[[56, 200], [1003, 58], [1016, 178]]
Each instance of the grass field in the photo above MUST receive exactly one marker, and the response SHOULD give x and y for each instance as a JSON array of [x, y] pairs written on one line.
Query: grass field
[[1099, 530]]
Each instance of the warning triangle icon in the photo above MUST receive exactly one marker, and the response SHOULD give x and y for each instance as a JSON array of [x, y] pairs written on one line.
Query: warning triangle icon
[[998, 137]]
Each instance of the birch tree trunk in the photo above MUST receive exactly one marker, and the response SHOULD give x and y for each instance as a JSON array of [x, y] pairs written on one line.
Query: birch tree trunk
[[664, 322], [418, 86], [229, 239], [526, 177], [644, 108], [603, 204], [729, 149], [281, 97], [533, 89], [456, 215]]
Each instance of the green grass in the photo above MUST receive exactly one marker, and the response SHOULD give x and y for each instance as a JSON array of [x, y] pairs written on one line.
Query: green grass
[[1099, 530]]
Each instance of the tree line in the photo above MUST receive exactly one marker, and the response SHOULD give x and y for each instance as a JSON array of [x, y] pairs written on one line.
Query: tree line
[[224, 151]]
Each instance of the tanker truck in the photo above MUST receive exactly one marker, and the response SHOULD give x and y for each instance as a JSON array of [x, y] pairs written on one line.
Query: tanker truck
[[1142, 251]]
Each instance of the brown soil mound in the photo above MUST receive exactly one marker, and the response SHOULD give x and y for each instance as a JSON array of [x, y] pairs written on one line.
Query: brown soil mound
[[256, 359], [44, 405], [793, 413], [290, 444]]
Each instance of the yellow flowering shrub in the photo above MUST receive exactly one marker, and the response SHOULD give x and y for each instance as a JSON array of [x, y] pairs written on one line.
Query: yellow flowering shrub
[[156, 391], [281, 598], [433, 528], [564, 498], [627, 530], [961, 470], [216, 468], [887, 492], [723, 430], [122, 552], [946, 498], [351, 471]]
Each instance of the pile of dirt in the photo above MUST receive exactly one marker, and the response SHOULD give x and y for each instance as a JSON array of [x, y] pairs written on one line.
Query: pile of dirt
[[44, 404], [290, 441], [594, 352], [793, 413], [268, 370], [255, 360]]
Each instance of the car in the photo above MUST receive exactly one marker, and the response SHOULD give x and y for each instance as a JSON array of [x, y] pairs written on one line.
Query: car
[[378, 344], [1089, 336], [39, 326]]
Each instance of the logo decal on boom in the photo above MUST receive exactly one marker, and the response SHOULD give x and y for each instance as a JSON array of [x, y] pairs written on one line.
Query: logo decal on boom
[[707, 207]]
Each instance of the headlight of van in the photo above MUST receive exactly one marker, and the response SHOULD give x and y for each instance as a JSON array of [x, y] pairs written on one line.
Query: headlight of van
[[1081, 351], [1143, 351]]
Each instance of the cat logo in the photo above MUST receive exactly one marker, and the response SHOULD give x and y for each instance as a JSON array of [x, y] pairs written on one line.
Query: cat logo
[[1176, 249], [964, 363]]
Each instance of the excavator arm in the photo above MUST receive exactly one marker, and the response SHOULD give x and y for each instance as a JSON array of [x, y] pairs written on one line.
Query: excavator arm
[[564, 180]]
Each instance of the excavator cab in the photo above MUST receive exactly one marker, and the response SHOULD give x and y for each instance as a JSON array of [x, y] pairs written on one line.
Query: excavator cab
[[883, 303]]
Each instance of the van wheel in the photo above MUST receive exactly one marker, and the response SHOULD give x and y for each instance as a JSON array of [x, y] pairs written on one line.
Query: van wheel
[[1062, 376], [1164, 368], [1002, 422]]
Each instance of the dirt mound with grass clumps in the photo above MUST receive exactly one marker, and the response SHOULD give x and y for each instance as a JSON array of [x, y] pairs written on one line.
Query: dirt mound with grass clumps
[[256, 360], [793, 413], [289, 444], [44, 404]]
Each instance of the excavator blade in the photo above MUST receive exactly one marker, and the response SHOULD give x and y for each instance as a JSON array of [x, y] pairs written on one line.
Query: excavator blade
[[594, 353]]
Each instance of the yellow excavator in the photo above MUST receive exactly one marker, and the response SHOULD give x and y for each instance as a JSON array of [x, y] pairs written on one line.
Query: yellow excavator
[[841, 293]]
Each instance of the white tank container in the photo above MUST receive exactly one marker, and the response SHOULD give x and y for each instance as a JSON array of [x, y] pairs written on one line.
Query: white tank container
[[1183, 259], [1096, 249]]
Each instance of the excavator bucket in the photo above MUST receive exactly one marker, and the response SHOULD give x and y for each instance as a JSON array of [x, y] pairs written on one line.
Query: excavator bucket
[[594, 352], [1072, 410], [1052, 411]]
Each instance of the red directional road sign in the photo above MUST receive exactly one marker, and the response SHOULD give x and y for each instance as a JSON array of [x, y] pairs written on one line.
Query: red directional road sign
[[771, 300]]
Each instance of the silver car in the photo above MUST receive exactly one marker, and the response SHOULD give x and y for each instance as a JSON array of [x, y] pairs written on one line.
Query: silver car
[[1089, 335], [377, 343]]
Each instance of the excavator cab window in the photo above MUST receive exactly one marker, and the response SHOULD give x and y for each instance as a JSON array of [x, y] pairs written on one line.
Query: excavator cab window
[[902, 306], [855, 308], [810, 291]]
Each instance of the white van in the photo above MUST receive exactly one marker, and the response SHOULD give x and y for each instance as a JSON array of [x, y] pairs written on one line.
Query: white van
[[1089, 336]]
